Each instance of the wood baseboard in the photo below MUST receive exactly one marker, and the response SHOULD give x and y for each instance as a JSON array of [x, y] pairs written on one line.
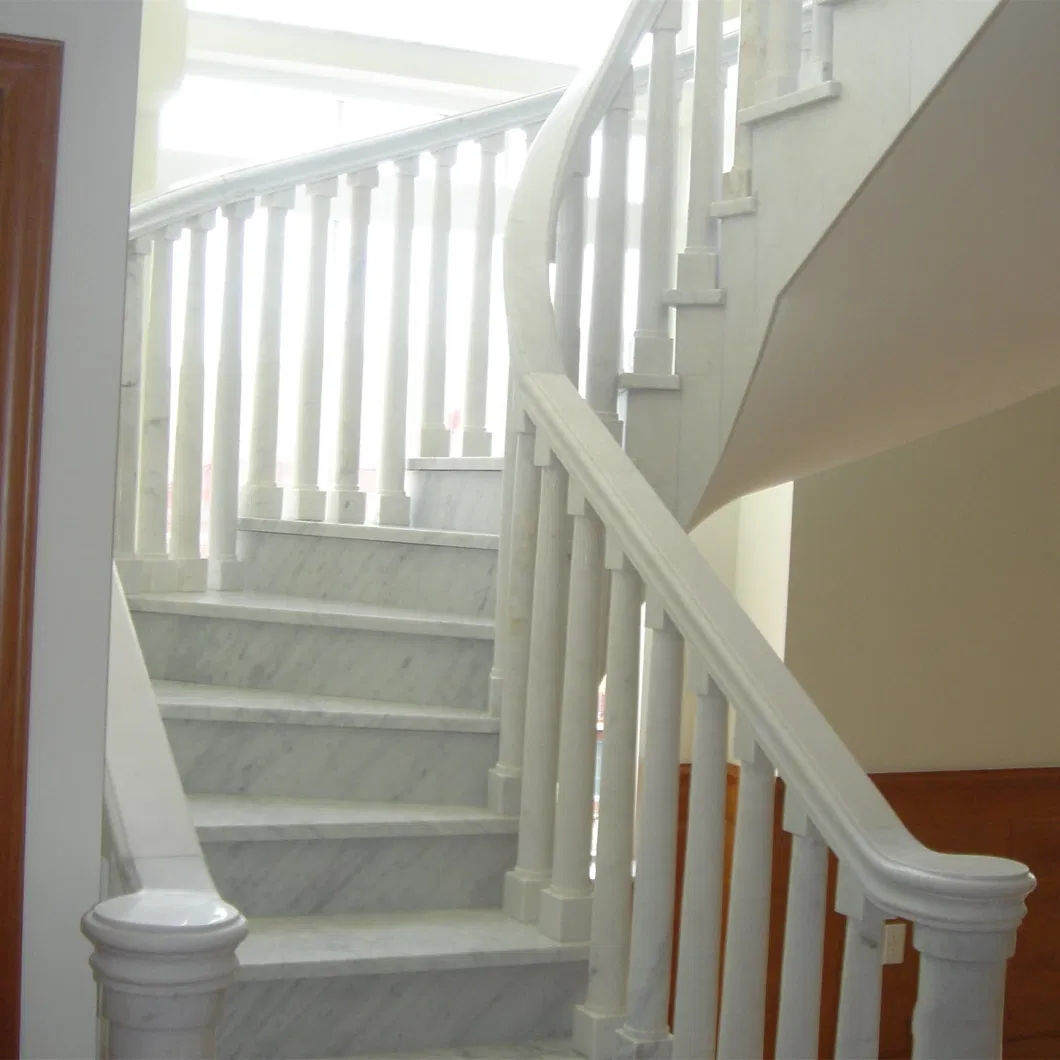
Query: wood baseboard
[[1007, 813]]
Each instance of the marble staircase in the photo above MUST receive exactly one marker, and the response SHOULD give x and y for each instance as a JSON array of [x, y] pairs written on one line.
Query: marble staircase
[[330, 727]]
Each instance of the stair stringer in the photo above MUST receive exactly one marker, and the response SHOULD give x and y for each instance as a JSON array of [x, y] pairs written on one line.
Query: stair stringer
[[807, 164]]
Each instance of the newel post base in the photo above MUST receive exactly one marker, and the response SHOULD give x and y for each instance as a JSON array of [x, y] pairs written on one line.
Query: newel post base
[[163, 960]]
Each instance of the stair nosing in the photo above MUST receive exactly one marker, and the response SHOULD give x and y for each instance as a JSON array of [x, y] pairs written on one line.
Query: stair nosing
[[306, 611]]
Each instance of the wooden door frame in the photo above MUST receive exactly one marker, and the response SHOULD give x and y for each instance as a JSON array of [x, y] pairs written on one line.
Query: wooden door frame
[[30, 83]]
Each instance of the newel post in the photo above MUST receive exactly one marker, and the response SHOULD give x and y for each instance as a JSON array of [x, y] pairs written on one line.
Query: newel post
[[163, 960]]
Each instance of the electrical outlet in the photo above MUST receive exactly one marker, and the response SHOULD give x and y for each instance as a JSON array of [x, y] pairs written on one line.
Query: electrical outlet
[[894, 942]]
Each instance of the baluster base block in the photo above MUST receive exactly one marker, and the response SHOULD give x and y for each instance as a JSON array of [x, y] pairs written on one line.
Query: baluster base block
[[130, 570], [595, 1032], [261, 501], [224, 575], [736, 184], [566, 917], [697, 270], [476, 441], [346, 506], [434, 440], [503, 788], [192, 575], [815, 72], [653, 353], [159, 575], [391, 509], [775, 86], [304, 504], [522, 894], [633, 1047]]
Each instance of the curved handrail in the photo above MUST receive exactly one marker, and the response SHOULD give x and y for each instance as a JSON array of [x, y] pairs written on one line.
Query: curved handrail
[[898, 873], [253, 181]]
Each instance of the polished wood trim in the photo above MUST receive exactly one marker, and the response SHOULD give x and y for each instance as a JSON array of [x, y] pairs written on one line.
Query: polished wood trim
[[30, 83], [1011, 813]]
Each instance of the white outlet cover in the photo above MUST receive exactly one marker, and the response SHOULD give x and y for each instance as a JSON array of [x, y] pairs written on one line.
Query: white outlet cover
[[894, 942]]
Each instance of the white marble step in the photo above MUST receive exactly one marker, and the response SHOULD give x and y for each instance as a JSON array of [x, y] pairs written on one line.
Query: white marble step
[[527, 1051], [456, 493], [233, 741], [289, 644], [300, 857], [425, 570], [401, 984]]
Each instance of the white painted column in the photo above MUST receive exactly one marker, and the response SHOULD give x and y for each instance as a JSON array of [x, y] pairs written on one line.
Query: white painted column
[[858, 1024], [129, 416], [737, 182], [819, 67], [163, 960], [798, 1025], [596, 1022], [225, 571], [699, 954], [392, 502], [566, 906], [783, 49], [305, 499], [533, 868], [604, 351], [262, 497], [434, 434], [570, 263], [653, 345], [185, 547], [646, 1031], [345, 502], [697, 266], [475, 440], [505, 779], [742, 1032], [153, 499], [960, 1002]]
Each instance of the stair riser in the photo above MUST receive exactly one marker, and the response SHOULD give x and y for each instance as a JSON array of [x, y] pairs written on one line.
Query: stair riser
[[400, 1013], [395, 667], [332, 762], [425, 577], [351, 876], [456, 500]]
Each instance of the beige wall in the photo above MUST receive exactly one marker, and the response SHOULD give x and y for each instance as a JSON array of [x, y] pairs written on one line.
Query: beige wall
[[924, 610]]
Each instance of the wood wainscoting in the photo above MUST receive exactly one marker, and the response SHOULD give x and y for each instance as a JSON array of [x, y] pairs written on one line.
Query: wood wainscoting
[[1007, 813], [30, 80]]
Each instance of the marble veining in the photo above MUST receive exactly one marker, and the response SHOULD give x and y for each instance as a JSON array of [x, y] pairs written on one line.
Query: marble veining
[[427, 577], [199, 702], [456, 500], [398, 667], [403, 535], [320, 761]]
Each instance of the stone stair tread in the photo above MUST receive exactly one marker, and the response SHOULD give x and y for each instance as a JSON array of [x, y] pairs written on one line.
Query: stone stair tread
[[239, 818], [200, 702], [400, 535], [525, 1051], [292, 610], [327, 946]]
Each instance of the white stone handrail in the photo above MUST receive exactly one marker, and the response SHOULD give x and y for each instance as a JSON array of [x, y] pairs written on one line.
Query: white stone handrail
[[577, 507], [164, 939]]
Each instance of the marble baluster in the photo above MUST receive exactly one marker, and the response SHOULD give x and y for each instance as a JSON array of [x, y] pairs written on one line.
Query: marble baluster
[[261, 496], [533, 868], [185, 546], [305, 500], [566, 906], [346, 503], [596, 1022], [646, 1031], [505, 780], [434, 434], [152, 510], [225, 570], [802, 966], [783, 49], [570, 262], [653, 345], [742, 1030], [605, 342], [699, 952], [858, 1023], [737, 181], [819, 66], [392, 507], [475, 439], [132, 359]]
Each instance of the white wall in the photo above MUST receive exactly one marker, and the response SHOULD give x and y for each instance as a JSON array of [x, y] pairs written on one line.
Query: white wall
[[72, 600]]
